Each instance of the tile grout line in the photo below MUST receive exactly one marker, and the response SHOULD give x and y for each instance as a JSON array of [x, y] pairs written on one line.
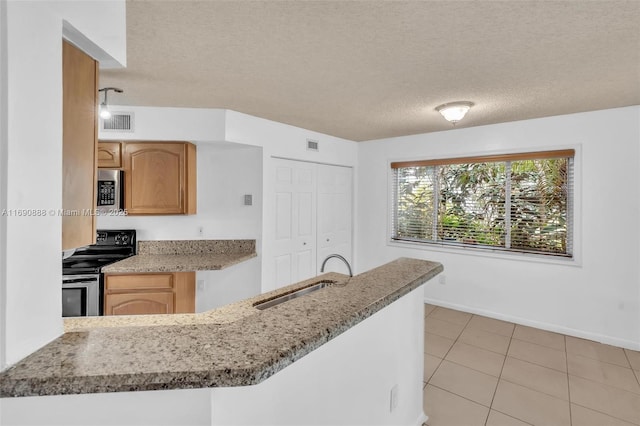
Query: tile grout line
[[452, 393], [495, 391], [510, 415], [624, 350], [599, 383], [605, 384], [469, 344], [538, 365], [601, 360], [540, 344], [536, 390], [440, 363], [434, 371], [566, 361], [626, 355], [602, 382], [448, 350], [605, 414], [460, 396]]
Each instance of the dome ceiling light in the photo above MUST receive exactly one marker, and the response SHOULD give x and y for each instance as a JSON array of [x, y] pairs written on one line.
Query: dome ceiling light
[[454, 111]]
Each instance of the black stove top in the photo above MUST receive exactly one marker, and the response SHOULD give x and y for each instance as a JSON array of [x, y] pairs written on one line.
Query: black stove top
[[111, 246]]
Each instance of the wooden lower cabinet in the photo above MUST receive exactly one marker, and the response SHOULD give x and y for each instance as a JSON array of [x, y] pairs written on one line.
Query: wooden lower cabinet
[[149, 293]]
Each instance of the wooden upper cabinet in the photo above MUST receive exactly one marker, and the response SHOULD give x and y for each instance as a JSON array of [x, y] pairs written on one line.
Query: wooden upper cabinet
[[109, 155], [160, 177], [79, 139]]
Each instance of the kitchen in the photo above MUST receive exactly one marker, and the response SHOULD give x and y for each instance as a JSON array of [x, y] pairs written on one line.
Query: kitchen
[[605, 312]]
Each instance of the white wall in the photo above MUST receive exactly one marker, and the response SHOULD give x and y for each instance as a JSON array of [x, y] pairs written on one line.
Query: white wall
[[224, 175], [98, 27], [33, 173], [182, 407], [232, 284], [3, 176], [284, 141], [596, 297], [168, 124]]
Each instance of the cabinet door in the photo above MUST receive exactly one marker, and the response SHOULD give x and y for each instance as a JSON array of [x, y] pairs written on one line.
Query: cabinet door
[[159, 178], [185, 291], [139, 303], [150, 293], [79, 139], [109, 155]]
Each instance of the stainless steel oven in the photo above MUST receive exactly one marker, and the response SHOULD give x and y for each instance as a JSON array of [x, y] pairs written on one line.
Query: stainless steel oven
[[82, 278], [81, 295], [110, 190]]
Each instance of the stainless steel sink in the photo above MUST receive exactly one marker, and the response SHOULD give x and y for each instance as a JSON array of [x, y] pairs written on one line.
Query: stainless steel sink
[[264, 304]]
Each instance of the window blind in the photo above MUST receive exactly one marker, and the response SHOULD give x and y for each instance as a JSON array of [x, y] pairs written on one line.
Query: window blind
[[515, 202]]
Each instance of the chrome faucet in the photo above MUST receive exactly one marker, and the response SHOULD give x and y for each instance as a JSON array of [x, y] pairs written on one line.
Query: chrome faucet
[[339, 257]]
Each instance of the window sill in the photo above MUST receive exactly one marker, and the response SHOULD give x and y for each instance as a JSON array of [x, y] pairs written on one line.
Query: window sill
[[492, 254]]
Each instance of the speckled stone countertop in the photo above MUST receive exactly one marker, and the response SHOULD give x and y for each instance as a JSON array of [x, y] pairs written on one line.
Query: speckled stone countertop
[[184, 256], [236, 345]]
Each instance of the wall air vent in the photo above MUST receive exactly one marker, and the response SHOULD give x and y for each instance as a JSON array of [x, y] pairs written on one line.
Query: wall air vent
[[119, 122], [312, 145]]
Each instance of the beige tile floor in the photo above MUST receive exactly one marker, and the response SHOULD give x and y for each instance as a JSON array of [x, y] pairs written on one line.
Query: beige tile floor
[[481, 371]]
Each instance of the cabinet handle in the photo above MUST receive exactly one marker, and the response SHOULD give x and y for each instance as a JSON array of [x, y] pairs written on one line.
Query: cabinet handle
[[327, 240], [304, 244]]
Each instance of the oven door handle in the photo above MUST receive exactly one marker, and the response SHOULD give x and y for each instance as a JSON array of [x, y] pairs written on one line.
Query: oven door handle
[[80, 279]]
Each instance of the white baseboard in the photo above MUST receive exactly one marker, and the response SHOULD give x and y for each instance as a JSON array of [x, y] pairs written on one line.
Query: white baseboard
[[422, 419], [601, 338]]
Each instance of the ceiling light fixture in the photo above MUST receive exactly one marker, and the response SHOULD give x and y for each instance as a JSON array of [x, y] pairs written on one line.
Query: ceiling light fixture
[[105, 114], [454, 111]]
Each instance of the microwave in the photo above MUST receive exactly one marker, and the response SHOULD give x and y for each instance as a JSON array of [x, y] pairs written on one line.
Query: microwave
[[110, 198]]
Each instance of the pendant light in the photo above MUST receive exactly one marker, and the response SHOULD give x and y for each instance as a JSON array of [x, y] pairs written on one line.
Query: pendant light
[[105, 114]]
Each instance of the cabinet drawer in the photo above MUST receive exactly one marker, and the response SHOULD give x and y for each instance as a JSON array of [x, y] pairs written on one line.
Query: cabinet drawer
[[139, 282], [109, 155]]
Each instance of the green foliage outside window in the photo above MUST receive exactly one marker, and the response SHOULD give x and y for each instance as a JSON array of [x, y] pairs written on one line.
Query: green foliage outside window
[[521, 205]]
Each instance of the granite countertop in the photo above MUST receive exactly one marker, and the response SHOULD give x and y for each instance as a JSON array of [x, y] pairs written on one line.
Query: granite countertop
[[185, 256], [236, 345]]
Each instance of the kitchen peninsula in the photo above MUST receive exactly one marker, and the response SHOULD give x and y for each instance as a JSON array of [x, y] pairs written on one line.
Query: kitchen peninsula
[[345, 348], [161, 278], [185, 255]]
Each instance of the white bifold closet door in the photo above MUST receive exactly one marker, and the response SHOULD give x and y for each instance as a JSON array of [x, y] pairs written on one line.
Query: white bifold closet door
[[295, 227], [313, 215], [334, 216]]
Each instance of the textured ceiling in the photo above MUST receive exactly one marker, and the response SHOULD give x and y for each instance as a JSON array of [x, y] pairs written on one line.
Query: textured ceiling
[[366, 70]]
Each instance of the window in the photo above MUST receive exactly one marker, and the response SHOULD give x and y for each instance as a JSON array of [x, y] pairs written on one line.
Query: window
[[515, 202]]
